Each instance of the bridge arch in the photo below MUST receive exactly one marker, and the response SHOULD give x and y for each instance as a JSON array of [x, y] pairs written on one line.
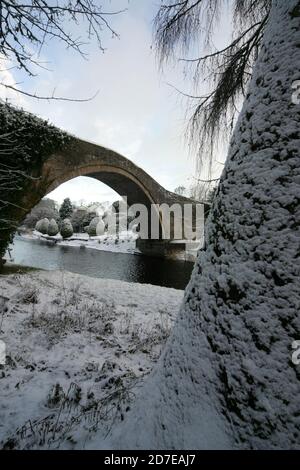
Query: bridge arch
[[118, 179], [82, 158]]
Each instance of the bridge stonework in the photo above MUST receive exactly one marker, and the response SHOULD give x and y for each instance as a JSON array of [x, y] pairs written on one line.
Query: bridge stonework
[[81, 158]]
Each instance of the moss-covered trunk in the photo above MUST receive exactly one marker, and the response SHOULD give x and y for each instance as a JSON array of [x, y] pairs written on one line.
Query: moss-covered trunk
[[25, 142]]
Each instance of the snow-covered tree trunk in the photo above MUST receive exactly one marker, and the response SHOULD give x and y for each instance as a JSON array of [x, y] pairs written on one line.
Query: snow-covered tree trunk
[[226, 377]]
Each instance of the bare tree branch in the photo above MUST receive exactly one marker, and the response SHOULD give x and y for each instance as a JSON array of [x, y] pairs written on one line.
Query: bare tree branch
[[227, 71], [26, 26], [48, 98]]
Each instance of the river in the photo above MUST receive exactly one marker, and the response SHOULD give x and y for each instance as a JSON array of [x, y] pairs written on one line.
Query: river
[[103, 264]]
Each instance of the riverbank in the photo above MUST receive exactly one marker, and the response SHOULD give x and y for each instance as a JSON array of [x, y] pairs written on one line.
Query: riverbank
[[77, 349], [123, 243], [11, 268], [126, 267]]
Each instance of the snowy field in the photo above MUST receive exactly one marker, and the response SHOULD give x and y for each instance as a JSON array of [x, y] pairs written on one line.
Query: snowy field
[[77, 350]]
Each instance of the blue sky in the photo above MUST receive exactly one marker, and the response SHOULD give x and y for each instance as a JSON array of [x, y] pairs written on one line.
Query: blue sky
[[136, 112]]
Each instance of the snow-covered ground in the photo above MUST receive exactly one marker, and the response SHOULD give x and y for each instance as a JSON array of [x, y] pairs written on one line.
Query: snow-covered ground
[[77, 350], [123, 243]]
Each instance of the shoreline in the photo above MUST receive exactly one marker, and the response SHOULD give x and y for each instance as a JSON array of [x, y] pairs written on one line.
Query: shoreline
[[9, 268], [126, 244]]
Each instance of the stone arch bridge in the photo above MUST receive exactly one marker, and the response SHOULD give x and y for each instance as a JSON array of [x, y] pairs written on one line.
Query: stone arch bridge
[[81, 158]]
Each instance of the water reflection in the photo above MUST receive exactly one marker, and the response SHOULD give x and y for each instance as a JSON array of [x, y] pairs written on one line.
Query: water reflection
[[103, 264]]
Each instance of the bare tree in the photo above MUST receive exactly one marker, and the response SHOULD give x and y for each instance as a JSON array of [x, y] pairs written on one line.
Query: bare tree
[[202, 190], [26, 27], [181, 190]]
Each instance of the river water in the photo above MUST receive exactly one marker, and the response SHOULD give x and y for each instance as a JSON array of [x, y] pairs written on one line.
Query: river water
[[103, 264]]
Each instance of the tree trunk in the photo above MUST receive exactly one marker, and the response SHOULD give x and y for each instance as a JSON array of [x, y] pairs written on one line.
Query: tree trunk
[[226, 377]]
